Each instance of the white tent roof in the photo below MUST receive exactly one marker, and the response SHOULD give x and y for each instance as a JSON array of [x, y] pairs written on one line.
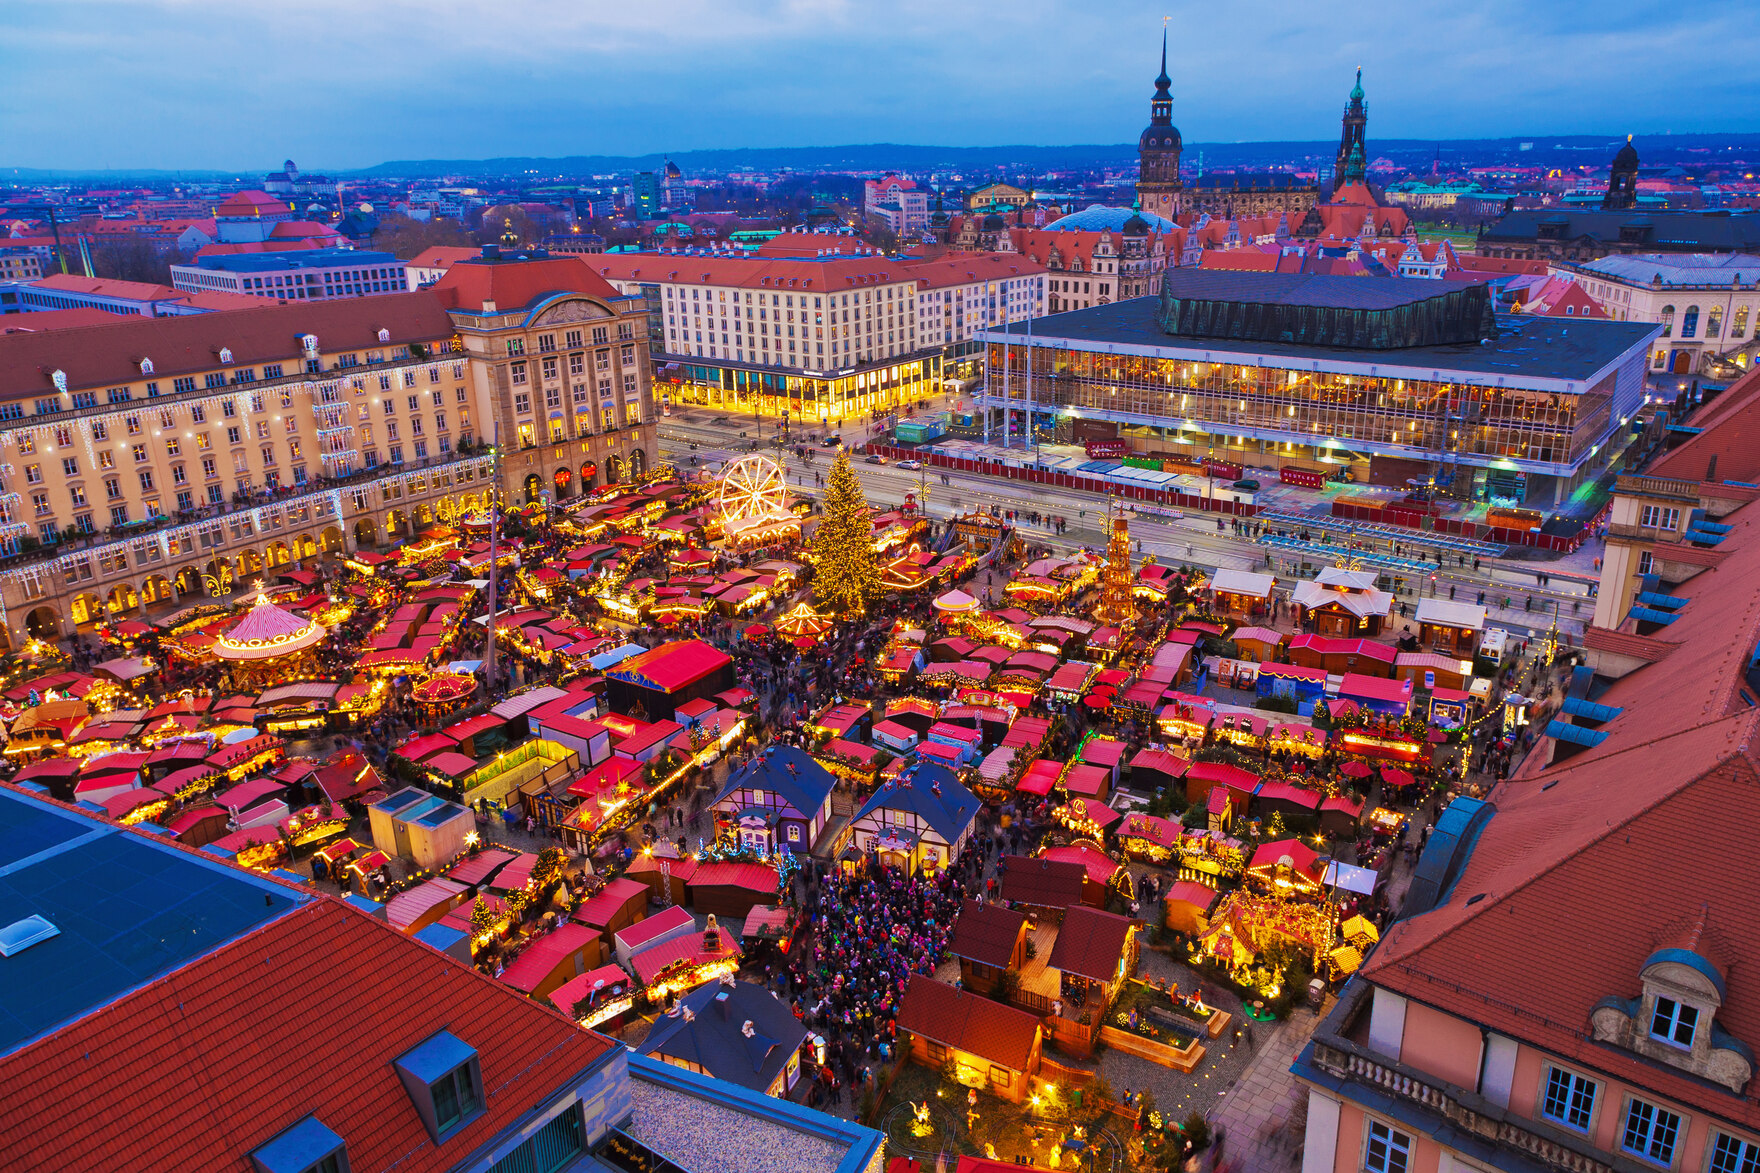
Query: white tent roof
[[1447, 613], [1242, 582]]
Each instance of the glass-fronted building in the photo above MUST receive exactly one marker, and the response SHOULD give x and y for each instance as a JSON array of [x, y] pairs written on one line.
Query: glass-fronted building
[[1274, 369], [832, 398]]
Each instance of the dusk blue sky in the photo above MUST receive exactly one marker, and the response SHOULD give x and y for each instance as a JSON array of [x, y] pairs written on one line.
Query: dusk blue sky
[[349, 83]]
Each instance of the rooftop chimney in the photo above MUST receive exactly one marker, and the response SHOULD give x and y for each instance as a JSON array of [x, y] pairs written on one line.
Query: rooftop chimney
[[721, 1001]]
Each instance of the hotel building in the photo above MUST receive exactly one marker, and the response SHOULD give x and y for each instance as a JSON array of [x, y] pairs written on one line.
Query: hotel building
[[1273, 369], [823, 337]]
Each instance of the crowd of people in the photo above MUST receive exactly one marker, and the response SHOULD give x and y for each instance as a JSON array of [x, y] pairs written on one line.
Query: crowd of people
[[868, 934]]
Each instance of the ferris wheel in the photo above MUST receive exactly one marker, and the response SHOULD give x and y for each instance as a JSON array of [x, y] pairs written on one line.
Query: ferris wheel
[[752, 489]]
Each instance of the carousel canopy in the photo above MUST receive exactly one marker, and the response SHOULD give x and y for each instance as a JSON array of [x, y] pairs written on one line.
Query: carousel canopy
[[956, 600], [268, 632]]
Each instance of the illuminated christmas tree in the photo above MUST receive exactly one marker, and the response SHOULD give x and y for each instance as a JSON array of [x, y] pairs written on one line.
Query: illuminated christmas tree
[[1117, 608], [845, 578]]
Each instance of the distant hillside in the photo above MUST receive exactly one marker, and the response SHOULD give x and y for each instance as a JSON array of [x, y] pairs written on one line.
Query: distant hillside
[[1541, 150], [1694, 150]]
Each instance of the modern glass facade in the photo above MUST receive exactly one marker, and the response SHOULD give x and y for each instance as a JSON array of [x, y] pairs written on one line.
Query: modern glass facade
[[1234, 404]]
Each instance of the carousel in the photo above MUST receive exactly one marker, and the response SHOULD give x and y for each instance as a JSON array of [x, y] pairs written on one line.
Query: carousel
[[269, 645]]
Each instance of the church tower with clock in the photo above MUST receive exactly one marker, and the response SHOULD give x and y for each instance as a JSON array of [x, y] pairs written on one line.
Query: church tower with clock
[[1159, 190]]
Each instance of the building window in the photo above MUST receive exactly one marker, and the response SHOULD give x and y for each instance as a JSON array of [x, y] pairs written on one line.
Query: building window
[[1732, 1155], [1388, 1151], [1674, 1022], [1646, 562], [1658, 517], [550, 1148], [1650, 1132], [1570, 1099], [293, 1151]]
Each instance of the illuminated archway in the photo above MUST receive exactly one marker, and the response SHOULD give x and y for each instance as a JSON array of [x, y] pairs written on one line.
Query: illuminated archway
[[43, 623]]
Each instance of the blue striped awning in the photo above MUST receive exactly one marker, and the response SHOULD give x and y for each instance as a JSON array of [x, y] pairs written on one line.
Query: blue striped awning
[[1589, 710], [1666, 602], [1651, 615], [1575, 734]]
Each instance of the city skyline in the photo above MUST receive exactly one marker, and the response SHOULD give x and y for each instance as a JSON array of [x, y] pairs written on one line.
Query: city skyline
[[399, 81]]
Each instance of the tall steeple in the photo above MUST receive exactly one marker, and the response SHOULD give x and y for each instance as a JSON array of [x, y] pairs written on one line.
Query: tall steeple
[[1356, 118], [1159, 190], [1161, 105], [1622, 182]]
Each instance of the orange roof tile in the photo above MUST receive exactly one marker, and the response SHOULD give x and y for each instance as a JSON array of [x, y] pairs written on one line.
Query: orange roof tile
[[199, 1067]]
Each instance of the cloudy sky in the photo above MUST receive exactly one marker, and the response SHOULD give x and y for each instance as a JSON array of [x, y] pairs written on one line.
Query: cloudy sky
[[348, 83]]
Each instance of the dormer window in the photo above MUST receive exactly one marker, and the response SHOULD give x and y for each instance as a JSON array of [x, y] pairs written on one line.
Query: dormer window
[[384, 335], [225, 356], [444, 1082], [307, 1147], [1674, 1022], [1673, 1018]]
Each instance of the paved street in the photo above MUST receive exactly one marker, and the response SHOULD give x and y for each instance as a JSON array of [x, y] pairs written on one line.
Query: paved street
[[1189, 538], [1264, 1113]]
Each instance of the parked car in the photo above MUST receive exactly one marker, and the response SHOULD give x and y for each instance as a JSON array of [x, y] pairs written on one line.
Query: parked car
[[876, 458], [831, 442], [910, 464]]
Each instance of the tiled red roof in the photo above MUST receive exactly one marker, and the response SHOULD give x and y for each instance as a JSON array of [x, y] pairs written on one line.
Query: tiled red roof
[[1530, 937], [1625, 643], [516, 284], [1730, 436], [1042, 883], [986, 933], [198, 1068], [108, 355], [1090, 943], [968, 1022]]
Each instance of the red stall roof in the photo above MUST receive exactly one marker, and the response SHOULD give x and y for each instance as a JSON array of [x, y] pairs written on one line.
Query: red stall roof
[[542, 956], [672, 666]]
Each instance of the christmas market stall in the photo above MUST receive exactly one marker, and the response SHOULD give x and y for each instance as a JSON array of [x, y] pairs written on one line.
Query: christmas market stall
[[1304, 741], [1292, 681], [1257, 643], [1287, 868], [1367, 737], [1104, 874], [1154, 768], [1186, 907], [1239, 594], [731, 888], [1088, 818], [677, 965], [664, 871], [1148, 837], [1342, 603]]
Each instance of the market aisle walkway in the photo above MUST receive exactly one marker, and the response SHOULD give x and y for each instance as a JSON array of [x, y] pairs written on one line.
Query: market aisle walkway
[[1255, 1111]]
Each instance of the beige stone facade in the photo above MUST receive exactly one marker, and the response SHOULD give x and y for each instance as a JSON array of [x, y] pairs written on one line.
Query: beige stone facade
[[157, 462]]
